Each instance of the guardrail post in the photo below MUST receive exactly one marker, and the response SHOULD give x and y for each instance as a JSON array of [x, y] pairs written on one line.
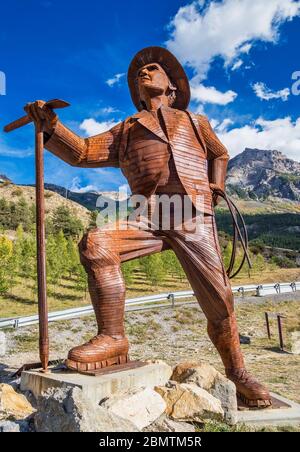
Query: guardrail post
[[16, 324], [258, 291], [172, 298], [294, 287], [268, 325], [277, 288], [242, 291]]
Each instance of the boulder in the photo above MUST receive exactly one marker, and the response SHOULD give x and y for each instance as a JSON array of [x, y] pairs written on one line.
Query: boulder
[[9, 427], [295, 342], [245, 340], [188, 402], [13, 405], [67, 410], [3, 344], [207, 377], [141, 406], [201, 374], [225, 391], [164, 424]]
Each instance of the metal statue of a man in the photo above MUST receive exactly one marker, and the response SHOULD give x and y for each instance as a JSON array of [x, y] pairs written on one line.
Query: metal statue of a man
[[161, 150]]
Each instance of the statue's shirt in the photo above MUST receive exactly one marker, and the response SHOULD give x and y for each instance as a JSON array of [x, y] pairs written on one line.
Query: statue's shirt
[[169, 182], [175, 152]]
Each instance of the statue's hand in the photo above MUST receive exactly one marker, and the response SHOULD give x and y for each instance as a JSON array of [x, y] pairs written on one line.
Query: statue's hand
[[216, 198], [41, 115]]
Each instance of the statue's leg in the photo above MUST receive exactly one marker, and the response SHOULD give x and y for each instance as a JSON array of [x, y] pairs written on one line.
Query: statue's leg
[[200, 256], [102, 252]]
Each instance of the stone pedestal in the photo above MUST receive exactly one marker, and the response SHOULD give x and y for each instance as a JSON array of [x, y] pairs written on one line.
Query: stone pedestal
[[284, 413], [96, 388]]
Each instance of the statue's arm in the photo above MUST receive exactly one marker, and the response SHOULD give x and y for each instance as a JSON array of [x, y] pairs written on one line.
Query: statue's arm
[[217, 155], [99, 151]]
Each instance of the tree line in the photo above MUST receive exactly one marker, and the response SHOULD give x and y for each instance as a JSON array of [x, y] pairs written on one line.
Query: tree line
[[18, 255]]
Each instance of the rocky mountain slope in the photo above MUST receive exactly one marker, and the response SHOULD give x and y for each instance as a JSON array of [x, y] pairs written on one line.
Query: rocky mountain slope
[[12, 192], [258, 179], [4, 180], [260, 174], [87, 199]]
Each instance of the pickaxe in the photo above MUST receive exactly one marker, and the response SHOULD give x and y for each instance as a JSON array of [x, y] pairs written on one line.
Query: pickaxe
[[40, 228]]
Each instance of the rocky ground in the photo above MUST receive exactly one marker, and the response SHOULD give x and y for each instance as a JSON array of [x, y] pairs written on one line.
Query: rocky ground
[[179, 334]]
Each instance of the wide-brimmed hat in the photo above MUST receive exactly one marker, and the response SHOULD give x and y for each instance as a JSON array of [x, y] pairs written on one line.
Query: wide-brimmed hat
[[171, 66]]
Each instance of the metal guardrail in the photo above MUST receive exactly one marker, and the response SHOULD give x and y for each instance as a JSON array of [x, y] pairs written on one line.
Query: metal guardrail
[[163, 300]]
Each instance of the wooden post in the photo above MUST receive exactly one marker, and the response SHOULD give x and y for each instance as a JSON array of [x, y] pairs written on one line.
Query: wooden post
[[279, 320], [40, 227], [41, 249], [268, 325]]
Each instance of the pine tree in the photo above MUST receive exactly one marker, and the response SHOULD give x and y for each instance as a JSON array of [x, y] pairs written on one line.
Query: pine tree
[[63, 220], [6, 253], [227, 254], [259, 263], [154, 269], [73, 260], [128, 269]]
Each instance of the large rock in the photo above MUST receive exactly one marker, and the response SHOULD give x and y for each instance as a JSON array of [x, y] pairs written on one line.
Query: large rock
[[295, 342], [3, 344], [9, 427], [13, 405], [164, 424], [208, 378], [245, 340], [189, 402], [202, 374], [141, 406], [68, 410], [224, 390]]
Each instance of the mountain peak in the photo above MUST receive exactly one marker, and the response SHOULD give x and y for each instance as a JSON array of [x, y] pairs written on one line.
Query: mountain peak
[[260, 174]]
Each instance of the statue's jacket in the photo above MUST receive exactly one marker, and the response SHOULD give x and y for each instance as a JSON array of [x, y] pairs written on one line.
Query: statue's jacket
[[141, 149]]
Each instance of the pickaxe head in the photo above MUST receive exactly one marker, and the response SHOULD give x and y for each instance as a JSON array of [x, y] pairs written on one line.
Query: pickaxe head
[[53, 104]]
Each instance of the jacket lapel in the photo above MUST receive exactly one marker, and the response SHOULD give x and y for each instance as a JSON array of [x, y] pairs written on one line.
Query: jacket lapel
[[147, 120]]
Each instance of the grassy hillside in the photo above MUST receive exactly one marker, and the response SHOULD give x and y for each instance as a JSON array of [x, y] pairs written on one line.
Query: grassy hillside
[[13, 193], [272, 223]]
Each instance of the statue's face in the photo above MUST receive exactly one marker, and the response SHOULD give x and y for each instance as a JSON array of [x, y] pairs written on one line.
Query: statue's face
[[152, 80]]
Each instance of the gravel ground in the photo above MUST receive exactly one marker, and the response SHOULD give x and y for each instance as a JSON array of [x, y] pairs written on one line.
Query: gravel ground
[[176, 335]]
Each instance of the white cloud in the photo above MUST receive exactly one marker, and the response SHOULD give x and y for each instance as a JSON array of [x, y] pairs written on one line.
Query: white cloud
[[77, 188], [226, 29], [222, 126], [237, 65], [115, 79], [92, 127], [209, 94], [281, 134], [8, 151], [264, 93], [108, 110]]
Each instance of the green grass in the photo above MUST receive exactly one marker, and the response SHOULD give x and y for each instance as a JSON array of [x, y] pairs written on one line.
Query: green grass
[[22, 300], [213, 427]]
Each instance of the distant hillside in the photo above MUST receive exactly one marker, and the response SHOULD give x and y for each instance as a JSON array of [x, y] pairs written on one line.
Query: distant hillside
[[4, 180], [88, 199], [52, 200], [264, 175]]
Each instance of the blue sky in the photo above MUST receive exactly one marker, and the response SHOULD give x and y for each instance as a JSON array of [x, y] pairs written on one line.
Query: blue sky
[[239, 54]]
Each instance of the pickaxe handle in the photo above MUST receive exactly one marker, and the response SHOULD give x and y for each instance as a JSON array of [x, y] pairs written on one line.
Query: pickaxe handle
[[53, 104], [40, 229]]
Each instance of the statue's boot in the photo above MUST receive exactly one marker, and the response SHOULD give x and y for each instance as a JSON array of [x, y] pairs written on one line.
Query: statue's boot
[[110, 346], [225, 337]]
